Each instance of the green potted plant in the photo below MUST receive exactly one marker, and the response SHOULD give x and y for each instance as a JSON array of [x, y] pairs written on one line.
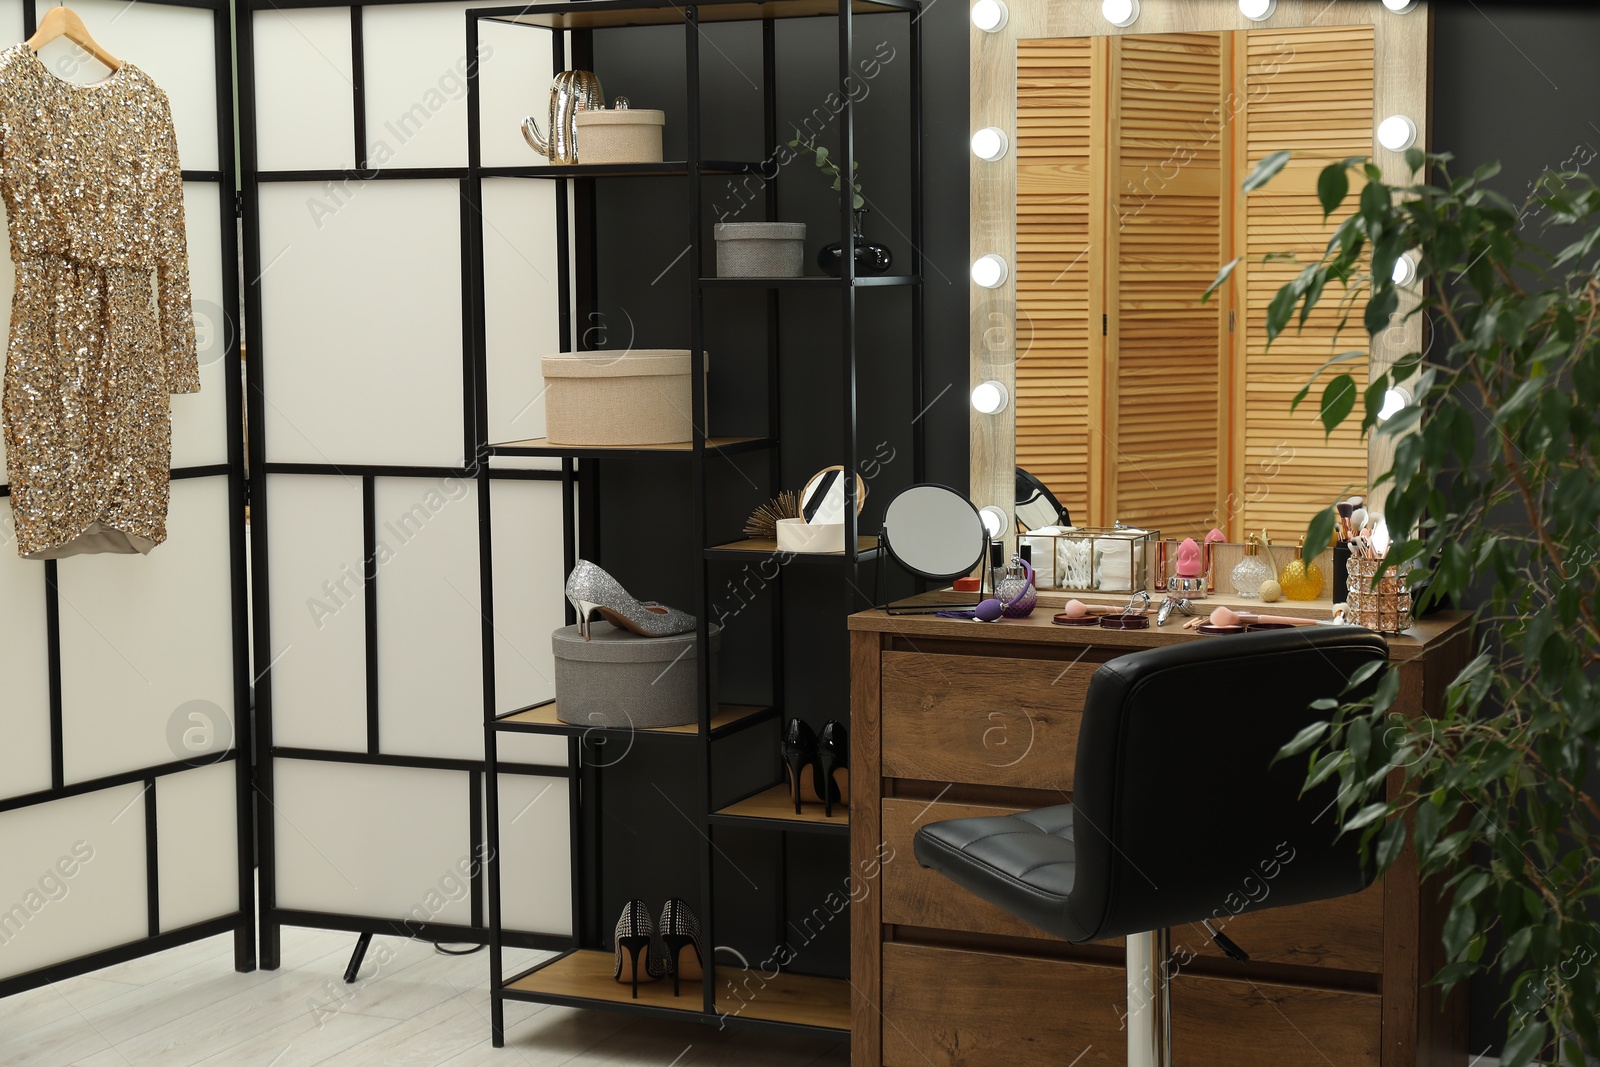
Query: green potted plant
[[871, 258], [1494, 499]]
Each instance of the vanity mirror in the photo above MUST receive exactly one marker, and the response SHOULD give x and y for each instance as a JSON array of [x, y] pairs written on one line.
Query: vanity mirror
[[1106, 171], [934, 533]]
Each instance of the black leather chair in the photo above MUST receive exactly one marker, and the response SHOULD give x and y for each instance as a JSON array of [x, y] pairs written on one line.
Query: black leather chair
[[1178, 813]]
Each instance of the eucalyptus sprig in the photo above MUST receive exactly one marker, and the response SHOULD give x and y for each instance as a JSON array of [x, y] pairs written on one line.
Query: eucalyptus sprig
[[826, 164], [1494, 499]]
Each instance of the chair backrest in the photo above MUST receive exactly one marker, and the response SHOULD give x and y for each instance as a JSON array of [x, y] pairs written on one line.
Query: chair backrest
[[1180, 814]]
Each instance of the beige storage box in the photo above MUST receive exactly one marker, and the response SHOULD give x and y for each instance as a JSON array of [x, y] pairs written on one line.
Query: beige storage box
[[618, 398], [620, 135]]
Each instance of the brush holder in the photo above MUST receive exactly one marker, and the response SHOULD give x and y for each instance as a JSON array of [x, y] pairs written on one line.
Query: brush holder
[[1381, 604]]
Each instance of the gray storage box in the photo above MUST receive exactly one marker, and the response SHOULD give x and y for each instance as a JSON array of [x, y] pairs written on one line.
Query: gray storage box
[[760, 249], [618, 679]]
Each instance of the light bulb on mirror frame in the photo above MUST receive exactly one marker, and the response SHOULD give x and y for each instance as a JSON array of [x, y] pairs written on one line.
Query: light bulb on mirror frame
[[1400, 7], [1257, 10], [990, 15], [1393, 401], [990, 271], [990, 397], [1120, 13], [1405, 269], [994, 520], [1397, 133], [990, 143]]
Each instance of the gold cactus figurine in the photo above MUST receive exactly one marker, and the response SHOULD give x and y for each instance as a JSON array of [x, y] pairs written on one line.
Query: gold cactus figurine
[[1301, 578]]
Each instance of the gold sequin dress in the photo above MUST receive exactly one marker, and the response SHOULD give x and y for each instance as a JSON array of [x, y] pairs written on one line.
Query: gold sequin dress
[[94, 200]]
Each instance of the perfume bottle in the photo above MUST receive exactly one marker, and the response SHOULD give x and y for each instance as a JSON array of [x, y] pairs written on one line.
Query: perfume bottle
[[1251, 571], [1015, 590]]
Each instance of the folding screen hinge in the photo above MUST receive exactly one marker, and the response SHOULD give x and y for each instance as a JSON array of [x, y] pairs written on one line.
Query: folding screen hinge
[[238, 204], [1105, 326], [1230, 320]]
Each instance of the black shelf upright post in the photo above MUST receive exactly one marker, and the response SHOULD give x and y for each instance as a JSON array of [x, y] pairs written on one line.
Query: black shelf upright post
[[847, 275], [703, 683]]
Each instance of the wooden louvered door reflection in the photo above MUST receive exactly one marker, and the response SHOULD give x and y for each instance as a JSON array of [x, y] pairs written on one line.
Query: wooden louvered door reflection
[[1310, 92], [1055, 90], [1164, 357], [1135, 401]]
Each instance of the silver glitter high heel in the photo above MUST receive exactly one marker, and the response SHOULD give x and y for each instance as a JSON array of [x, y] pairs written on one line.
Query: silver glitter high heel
[[636, 937], [591, 589]]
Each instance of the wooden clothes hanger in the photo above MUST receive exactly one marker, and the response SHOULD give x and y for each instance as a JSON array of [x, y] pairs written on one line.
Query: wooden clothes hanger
[[62, 21]]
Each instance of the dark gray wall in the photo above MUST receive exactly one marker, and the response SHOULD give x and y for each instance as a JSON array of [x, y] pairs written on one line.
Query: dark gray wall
[[1518, 84]]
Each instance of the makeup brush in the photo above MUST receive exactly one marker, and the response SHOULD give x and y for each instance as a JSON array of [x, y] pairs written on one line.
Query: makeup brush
[[1077, 609], [1345, 510], [1228, 617], [763, 521], [1358, 519]]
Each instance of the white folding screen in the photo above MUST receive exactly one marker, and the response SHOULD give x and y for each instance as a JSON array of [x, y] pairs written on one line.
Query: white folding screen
[[366, 397], [124, 764]]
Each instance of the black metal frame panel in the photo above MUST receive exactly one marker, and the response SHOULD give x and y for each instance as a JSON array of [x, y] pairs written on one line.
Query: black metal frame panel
[[475, 466], [241, 922], [579, 464]]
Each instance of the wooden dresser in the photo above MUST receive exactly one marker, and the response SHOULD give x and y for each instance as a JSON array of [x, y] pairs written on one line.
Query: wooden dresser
[[951, 719]]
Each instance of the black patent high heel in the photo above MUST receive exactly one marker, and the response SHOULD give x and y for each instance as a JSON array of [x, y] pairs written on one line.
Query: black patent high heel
[[681, 930], [799, 750], [833, 753], [635, 934]]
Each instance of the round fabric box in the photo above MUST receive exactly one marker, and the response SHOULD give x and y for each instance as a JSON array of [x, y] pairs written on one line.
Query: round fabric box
[[618, 680], [760, 249]]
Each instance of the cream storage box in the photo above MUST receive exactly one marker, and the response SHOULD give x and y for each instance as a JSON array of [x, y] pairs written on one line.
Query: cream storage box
[[618, 398]]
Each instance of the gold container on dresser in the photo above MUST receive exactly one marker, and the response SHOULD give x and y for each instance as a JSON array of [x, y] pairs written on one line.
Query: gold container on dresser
[[951, 720]]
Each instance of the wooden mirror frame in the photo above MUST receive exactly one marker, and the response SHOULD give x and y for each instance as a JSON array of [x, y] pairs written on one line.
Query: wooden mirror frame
[[1401, 86]]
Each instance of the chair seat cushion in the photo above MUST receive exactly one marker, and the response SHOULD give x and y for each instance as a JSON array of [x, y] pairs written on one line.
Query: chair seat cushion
[[1024, 863]]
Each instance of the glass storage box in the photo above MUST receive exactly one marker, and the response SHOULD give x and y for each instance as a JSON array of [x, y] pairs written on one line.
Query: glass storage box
[[1092, 559]]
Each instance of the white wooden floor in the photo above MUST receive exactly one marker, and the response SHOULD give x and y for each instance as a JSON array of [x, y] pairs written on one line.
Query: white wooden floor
[[419, 1009]]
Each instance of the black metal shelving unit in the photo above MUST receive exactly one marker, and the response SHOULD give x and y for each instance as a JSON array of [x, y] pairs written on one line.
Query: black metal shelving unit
[[581, 977]]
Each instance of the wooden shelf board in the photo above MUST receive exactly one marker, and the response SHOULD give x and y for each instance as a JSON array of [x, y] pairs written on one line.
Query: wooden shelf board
[[602, 14], [544, 718], [789, 998], [809, 282], [767, 547], [540, 446], [587, 974], [777, 804]]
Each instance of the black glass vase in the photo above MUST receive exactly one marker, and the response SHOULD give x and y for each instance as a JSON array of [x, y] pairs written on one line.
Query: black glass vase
[[871, 258]]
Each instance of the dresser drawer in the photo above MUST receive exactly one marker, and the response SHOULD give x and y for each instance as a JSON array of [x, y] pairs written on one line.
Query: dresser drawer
[[958, 1008], [913, 896], [1345, 933], [1258, 1024], [954, 1008], [983, 720]]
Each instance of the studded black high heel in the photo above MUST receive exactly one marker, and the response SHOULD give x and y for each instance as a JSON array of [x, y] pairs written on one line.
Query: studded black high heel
[[680, 930], [799, 748], [636, 935]]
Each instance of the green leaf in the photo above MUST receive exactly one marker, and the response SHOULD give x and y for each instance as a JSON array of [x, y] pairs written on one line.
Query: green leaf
[[1518, 402], [1391, 840], [1369, 814], [1222, 276], [1380, 308], [1340, 358], [1338, 400], [1524, 1043], [1319, 531], [822, 155], [1303, 740], [1279, 311], [1415, 158], [1265, 171], [1333, 185]]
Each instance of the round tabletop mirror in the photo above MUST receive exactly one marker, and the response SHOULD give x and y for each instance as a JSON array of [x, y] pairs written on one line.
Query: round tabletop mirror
[[933, 531]]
